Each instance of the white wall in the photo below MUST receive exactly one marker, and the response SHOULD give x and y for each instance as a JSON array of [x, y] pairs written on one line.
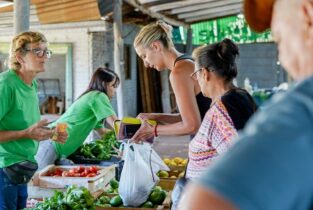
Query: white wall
[[79, 38], [89, 53], [81, 59]]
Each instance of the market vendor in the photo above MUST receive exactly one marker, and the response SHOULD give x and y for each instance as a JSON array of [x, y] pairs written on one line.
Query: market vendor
[[87, 113], [20, 126]]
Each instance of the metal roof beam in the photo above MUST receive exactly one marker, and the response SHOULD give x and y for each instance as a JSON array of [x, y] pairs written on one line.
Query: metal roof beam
[[195, 8], [147, 1], [156, 15], [213, 16], [212, 10], [172, 5]]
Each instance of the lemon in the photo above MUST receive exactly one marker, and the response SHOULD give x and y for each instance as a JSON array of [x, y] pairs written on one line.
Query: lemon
[[185, 162], [181, 174], [178, 160], [163, 174], [166, 161]]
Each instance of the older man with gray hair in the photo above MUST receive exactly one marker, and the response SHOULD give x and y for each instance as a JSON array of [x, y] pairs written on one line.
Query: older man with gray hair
[[270, 168]]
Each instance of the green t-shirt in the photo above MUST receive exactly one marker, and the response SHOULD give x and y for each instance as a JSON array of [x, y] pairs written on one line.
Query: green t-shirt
[[85, 114], [19, 109]]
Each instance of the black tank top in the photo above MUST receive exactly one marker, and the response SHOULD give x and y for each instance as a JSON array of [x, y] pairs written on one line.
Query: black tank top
[[240, 106], [183, 57], [203, 104], [202, 101]]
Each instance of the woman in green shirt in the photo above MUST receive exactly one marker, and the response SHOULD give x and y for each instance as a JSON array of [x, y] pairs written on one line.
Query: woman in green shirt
[[20, 126], [88, 112]]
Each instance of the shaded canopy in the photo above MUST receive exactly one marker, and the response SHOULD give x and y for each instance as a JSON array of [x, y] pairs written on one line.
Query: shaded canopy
[[175, 12]]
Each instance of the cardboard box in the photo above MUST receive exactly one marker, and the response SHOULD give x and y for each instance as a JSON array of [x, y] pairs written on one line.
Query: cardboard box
[[32, 202], [91, 183]]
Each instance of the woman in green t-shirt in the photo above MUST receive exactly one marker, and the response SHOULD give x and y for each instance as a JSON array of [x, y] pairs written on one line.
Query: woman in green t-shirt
[[20, 126], [87, 113]]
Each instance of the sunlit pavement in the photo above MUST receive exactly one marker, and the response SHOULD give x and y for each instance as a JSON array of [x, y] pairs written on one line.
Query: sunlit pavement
[[168, 146]]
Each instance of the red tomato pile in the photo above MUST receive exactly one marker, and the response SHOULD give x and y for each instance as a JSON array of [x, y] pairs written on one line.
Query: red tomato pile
[[79, 171]]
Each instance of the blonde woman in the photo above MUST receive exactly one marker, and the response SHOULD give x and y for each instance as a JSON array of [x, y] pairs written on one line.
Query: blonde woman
[[20, 125], [154, 46]]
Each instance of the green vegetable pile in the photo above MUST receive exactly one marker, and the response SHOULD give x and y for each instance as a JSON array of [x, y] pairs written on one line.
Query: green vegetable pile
[[156, 197], [73, 199], [113, 188], [101, 149]]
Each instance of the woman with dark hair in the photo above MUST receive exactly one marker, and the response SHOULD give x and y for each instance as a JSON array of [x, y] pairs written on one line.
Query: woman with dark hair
[[88, 112], [230, 109]]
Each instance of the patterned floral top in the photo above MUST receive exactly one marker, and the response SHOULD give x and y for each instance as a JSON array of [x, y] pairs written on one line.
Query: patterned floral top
[[219, 126]]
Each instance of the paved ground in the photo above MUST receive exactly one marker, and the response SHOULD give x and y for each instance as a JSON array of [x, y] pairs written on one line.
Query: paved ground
[[167, 146]]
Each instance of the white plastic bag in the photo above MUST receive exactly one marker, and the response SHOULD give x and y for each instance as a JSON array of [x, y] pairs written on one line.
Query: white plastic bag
[[141, 163]]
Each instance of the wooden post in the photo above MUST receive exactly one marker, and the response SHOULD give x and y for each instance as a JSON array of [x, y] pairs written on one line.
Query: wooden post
[[21, 16], [189, 41], [166, 101], [118, 57]]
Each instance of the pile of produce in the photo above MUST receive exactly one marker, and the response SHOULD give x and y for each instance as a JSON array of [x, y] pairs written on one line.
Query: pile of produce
[[113, 188], [79, 171], [73, 199], [156, 197], [171, 174], [101, 149], [177, 166], [176, 161]]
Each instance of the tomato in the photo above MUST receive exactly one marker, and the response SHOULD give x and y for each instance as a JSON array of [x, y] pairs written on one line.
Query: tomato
[[71, 174], [65, 173], [76, 174], [83, 174], [58, 172], [91, 175], [72, 171], [86, 170], [50, 174], [77, 169], [93, 169]]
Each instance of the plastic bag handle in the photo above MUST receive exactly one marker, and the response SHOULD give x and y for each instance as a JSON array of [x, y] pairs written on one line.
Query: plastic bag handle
[[150, 163]]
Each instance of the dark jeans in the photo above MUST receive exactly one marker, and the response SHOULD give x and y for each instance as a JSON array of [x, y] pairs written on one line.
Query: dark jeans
[[12, 196]]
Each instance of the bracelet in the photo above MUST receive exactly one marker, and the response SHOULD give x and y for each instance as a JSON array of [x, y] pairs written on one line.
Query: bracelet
[[155, 130]]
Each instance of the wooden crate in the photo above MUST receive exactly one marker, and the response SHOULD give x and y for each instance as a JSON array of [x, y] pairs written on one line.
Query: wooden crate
[[167, 183], [167, 201], [91, 183], [178, 168]]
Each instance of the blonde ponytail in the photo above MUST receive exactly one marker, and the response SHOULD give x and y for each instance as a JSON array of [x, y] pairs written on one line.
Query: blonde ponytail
[[158, 31]]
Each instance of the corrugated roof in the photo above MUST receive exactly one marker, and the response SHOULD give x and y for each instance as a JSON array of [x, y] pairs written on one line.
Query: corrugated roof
[[175, 12]]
